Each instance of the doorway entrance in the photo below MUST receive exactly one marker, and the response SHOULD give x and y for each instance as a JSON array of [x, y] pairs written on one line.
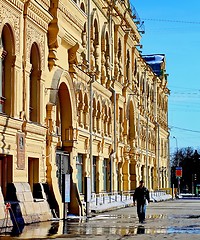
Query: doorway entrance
[[33, 171], [63, 166], [6, 175]]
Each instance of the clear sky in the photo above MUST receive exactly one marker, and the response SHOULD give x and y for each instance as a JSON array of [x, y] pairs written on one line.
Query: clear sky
[[172, 27]]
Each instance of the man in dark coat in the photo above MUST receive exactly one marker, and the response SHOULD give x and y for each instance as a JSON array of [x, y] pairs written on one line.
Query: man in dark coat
[[141, 195]]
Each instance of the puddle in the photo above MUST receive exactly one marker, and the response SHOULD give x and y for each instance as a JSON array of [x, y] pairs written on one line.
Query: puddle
[[184, 230], [112, 225], [74, 228]]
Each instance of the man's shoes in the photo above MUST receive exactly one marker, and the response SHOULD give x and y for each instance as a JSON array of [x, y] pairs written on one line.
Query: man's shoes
[[142, 221]]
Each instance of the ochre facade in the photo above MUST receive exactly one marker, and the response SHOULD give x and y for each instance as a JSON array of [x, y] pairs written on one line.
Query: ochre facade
[[78, 98]]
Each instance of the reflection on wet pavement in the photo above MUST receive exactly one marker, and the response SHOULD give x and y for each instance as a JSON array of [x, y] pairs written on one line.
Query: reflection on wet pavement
[[186, 230], [73, 227], [92, 226]]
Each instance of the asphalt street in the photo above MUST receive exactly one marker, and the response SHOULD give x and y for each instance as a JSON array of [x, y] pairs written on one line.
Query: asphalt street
[[174, 219]]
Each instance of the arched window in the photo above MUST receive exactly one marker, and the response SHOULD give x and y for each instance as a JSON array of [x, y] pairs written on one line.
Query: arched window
[[94, 112], [119, 61], [128, 67], [86, 113], [109, 123], [34, 88], [6, 70], [107, 56], [98, 118], [94, 50], [105, 121], [105, 60], [80, 108], [135, 68], [2, 75], [82, 7]]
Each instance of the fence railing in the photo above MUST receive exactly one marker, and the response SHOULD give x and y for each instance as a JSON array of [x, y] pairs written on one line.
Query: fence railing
[[123, 196]]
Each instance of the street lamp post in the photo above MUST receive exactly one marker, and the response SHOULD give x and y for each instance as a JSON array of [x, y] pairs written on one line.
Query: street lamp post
[[178, 164]]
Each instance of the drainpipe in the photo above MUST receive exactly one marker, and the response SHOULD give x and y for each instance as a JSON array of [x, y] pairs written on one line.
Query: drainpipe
[[92, 79], [158, 157], [89, 33], [113, 155], [26, 5], [91, 131], [147, 150], [147, 127]]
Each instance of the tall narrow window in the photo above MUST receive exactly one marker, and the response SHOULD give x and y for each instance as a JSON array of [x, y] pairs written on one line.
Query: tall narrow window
[[6, 69], [120, 124], [2, 77], [105, 174], [34, 102]]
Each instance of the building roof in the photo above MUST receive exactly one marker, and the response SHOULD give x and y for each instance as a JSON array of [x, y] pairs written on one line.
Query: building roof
[[156, 62]]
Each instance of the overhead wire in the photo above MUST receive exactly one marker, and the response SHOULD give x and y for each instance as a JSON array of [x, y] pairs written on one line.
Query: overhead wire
[[188, 92], [183, 129], [171, 21]]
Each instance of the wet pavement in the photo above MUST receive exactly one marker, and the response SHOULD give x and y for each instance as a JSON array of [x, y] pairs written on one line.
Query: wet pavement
[[176, 219]]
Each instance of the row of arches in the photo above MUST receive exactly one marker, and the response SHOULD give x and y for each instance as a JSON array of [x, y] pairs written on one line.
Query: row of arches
[[101, 114], [82, 4], [8, 82], [126, 68]]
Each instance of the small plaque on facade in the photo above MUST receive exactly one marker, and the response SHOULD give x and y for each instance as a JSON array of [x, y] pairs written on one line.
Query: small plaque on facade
[[21, 151]]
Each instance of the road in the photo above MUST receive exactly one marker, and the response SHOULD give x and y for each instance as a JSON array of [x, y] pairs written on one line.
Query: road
[[176, 219]]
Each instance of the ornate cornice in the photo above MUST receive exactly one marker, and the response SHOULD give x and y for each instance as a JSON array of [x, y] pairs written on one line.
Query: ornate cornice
[[66, 12], [17, 3], [39, 15]]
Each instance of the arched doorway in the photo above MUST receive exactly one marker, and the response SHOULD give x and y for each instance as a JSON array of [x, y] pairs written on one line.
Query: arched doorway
[[64, 130], [62, 111]]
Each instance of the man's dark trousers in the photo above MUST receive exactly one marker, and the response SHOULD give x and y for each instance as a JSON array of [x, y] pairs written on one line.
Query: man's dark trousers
[[141, 210]]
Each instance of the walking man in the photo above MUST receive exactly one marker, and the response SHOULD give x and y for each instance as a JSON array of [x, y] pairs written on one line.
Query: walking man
[[141, 195]]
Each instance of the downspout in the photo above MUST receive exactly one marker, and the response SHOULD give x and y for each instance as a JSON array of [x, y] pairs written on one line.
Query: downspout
[[147, 128], [158, 151], [91, 92], [113, 155], [147, 150], [158, 156], [115, 141], [91, 129], [89, 33], [168, 152], [24, 110]]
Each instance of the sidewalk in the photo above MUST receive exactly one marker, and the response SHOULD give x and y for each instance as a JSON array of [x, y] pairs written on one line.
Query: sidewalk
[[109, 203]]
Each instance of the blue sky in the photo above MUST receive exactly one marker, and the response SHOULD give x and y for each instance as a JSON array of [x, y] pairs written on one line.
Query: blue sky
[[172, 27]]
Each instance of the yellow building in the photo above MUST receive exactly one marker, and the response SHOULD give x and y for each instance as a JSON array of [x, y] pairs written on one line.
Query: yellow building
[[78, 98]]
